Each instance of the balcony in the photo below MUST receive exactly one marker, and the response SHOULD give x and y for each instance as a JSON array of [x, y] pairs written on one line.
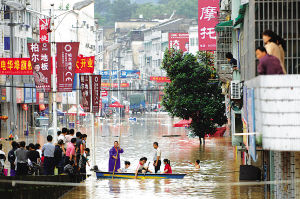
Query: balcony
[[273, 109]]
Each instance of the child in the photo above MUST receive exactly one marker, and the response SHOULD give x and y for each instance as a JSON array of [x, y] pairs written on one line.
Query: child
[[167, 168], [69, 168], [197, 164], [84, 160], [124, 170]]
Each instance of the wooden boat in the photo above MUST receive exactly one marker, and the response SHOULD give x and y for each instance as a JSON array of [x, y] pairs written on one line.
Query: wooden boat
[[109, 175]]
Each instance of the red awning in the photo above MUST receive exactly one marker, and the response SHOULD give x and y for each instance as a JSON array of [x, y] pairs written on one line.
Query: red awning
[[116, 104], [183, 123]]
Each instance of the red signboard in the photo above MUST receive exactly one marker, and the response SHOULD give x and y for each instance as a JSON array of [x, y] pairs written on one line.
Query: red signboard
[[40, 56], [207, 20], [96, 89], [179, 41], [85, 91], [67, 53], [104, 93], [85, 64], [44, 26], [15, 66], [160, 79]]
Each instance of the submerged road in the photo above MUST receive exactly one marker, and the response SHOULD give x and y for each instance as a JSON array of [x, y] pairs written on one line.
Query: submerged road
[[219, 162]]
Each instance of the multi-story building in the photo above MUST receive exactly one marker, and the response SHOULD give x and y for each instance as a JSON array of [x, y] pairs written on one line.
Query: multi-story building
[[263, 109], [18, 26]]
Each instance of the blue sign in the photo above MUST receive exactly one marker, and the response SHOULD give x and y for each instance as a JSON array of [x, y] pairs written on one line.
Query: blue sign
[[28, 91], [251, 119], [132, 74], [106, 74]]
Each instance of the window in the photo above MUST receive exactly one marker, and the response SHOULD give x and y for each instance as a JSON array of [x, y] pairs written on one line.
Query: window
[[6, 43], [6, 12]]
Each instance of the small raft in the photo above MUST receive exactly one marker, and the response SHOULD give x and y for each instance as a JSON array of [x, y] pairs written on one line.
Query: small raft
[[109, 175]]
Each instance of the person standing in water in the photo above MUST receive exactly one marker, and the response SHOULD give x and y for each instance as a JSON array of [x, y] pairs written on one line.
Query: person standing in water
[[114, 157]]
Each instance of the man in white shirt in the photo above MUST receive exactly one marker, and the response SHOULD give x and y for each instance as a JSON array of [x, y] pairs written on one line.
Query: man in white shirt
[[62, 136], [157, 157]]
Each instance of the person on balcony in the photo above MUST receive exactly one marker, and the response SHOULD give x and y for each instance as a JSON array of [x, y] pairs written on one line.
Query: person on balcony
[[268, 64], [231, 60], [274, 45]]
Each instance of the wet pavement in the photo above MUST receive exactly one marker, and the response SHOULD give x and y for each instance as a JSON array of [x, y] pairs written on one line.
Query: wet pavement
[[219, 162]]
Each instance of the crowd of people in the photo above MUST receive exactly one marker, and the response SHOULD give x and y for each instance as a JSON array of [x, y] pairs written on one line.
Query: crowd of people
[[68, 154]]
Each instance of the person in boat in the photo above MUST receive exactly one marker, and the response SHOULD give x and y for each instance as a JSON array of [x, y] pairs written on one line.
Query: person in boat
[[167, 168], [196, 164], [125, 169], [157, 157], [114, 157], [141, 168]]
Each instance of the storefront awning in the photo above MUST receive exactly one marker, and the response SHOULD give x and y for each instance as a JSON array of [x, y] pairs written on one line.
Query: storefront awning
[[220, 26], [240, 17]]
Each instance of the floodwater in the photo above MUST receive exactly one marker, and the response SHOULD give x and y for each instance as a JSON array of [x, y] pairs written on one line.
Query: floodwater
[[219, 163]]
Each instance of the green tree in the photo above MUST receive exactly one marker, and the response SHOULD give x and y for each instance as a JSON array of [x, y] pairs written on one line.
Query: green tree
[[192, 93]]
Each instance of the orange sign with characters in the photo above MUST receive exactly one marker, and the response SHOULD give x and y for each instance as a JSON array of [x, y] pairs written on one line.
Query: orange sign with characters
[[85, 64], [160, 79], [15, 66]]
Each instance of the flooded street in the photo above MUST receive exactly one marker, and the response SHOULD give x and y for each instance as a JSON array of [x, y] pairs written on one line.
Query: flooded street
[[218, 159]]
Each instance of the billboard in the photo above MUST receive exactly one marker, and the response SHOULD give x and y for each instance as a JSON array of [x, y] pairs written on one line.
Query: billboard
[[67, 53], [207, 20], [179, 41], [131, 74]]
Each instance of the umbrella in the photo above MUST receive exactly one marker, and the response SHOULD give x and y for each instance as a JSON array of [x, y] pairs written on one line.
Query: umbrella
[[73, 111], [116, 104], [183, 123], [59, 112]]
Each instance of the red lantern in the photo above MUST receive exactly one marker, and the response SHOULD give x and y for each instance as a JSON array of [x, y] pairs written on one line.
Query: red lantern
[[25, 107]]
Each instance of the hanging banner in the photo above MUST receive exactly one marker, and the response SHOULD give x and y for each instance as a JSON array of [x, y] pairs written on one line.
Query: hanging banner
[[179, 41], [207, 20], [85, 64], [40, 56], [15, 66], [131, 74], [85, 91], [44, 27], [96, 89], [67, 53]]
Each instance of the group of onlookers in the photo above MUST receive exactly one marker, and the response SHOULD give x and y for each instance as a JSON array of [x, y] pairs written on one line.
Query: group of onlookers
[[271, 55], [68, 155]]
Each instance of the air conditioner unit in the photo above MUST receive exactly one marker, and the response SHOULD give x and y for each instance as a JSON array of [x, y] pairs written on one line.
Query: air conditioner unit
[[235, 90]]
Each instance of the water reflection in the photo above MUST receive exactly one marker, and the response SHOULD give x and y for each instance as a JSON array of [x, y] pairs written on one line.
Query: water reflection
[[219, 162]]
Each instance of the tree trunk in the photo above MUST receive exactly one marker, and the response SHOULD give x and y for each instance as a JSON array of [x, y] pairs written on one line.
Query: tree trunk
[[204, 139], [200, 140]]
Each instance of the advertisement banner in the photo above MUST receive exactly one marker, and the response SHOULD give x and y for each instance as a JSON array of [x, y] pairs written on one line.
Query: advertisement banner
[[106, 74], [85, 64], [67, 53], [207, 20], [44, 26], [96, 90], [40, 56], [131, 74], [251, 123], [160, 79], [115, 85], [15, 66], [179, 41], [85, 92]]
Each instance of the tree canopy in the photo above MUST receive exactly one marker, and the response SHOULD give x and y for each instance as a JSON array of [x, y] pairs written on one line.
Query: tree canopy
[[192, 93], [109, 12]]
